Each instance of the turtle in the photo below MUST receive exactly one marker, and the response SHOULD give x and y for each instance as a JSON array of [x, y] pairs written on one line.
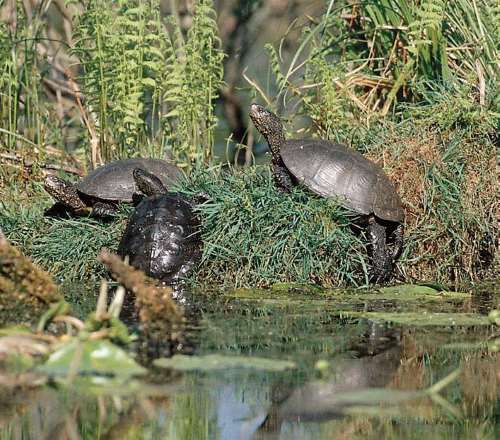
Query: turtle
[[100, 191], [334, 171], [162, 237]]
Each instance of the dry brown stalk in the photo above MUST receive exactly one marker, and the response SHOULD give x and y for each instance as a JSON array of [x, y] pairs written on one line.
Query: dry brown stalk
[[21, 162], [94, 137]]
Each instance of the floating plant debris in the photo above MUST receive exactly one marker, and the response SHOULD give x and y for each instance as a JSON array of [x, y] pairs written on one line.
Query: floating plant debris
[[221, 362], [100, 358]]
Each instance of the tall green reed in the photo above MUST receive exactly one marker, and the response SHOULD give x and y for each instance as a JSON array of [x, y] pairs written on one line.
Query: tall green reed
[[23, 108]]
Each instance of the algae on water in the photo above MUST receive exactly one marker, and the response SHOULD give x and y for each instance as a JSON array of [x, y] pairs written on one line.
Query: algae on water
[[222, 362], [422, 319]]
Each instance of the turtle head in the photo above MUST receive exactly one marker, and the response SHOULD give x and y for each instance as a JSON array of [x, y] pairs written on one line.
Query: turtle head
[[62, 191], [65, 193], [269, 125], [55, 186], [148, 183]]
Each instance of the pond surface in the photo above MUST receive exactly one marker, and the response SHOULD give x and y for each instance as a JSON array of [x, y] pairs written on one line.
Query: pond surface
[[354, 377]]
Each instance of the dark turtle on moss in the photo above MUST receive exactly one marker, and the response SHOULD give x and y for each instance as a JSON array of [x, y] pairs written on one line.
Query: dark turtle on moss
[[334, 171], [162, 237], [99, 193]]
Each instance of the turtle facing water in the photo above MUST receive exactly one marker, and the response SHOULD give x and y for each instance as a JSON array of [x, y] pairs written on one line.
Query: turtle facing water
[[100, 192], [162, 237], [334, 171]]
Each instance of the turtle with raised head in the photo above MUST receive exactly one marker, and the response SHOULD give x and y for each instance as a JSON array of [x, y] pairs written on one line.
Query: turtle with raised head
[[162, 237], [100, 192], [334, 171]]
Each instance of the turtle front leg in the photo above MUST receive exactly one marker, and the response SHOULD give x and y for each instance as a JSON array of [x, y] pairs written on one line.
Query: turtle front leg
[[381, 259], [103, 209], [281, 176]]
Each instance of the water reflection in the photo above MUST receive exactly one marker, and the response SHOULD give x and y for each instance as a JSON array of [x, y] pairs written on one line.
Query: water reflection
[[317, 400], [305, 403]]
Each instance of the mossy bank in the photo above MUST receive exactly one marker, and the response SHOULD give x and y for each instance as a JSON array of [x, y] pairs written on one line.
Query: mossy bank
[[256, 236]]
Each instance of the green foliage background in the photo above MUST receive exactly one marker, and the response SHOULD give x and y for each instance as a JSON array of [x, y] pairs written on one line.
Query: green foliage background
[[144, 88], [151, 88], [362, 58]]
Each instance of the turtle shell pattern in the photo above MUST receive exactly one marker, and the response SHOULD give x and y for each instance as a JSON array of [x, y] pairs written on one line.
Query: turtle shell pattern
[[334, 171], [162, 237], [114, 181]]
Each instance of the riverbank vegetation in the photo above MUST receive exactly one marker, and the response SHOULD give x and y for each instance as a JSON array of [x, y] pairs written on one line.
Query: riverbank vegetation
[[409, 83]]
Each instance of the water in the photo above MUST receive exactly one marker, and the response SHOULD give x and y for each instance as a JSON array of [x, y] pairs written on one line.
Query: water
[[347, 382]]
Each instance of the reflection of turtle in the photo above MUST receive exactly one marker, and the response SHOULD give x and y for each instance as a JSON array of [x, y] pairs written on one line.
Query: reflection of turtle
[[334, 171], [103, 188], [350, 383], [162, 237]]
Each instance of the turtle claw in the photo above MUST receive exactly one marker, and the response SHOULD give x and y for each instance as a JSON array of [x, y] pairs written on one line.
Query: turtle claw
[[137, 198], [101, 209], [57, 210], [200, 198]]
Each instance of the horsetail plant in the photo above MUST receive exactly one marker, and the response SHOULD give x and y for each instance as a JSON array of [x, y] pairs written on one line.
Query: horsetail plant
[[192, 82], [147, 89]]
